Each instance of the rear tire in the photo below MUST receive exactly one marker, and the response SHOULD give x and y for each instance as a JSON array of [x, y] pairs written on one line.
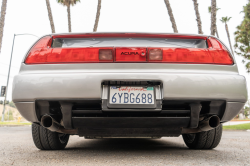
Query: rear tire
[[204, 140], [45, 139]]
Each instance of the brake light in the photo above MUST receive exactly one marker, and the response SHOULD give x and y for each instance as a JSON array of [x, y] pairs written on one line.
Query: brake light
[[220, 53], [80, 55], [41, 53], [216, 54], [181, 55], [216, 44]]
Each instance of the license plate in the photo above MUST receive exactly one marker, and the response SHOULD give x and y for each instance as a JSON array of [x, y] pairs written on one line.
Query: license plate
[[131, 95]]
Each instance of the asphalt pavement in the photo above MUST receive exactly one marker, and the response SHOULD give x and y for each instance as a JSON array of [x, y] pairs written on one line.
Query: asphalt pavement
[[17, 148]]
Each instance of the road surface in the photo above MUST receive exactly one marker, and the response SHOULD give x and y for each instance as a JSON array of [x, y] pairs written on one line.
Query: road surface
[[16, 148]]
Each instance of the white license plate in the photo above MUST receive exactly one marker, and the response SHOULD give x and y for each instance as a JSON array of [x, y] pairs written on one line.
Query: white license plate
[[131, 95]]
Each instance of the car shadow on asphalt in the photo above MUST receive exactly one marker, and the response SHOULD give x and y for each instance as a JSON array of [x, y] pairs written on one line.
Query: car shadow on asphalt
[[137, 149], [127, 144]]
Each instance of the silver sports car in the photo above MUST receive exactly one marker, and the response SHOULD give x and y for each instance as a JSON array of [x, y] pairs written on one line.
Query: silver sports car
[[99, 85]]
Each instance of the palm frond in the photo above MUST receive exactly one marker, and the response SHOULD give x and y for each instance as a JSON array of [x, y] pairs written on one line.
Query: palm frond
[[225, 19], [209, 9], [68, 2], [248, 67]]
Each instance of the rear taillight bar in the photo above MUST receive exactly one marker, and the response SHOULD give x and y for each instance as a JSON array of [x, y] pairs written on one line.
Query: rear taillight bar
[[42, 53]]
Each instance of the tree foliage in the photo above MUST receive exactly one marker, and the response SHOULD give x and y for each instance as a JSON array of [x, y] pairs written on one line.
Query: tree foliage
[[209, 9], [68, 2], [242, 37], [11, 104], [225, 19], [246, 111]]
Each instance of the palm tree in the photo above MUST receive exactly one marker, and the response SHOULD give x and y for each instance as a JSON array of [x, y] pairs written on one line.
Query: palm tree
[[198, 18], [3, 12], [210, 11], [68, 3], [170, 13], [97, 15], [50, 16], [225, 20]]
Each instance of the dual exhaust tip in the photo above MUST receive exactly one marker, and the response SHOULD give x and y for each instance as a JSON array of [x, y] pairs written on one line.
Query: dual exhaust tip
[[206, 124], [51, 124], [209, 123]]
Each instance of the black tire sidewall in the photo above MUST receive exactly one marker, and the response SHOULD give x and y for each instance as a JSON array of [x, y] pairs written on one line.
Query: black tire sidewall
[[204, 140], [45, 139]]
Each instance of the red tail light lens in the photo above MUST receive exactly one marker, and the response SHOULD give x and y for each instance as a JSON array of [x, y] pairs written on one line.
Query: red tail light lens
[[80, 55], [216, 44], [182, 55], [216, 54], [220, 53], [41, 53]]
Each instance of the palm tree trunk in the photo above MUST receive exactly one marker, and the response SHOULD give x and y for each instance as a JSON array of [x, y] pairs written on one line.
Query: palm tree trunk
[[69, 17], [217, 34], [3, 13], [198, 18], [213, 17], [170, 13], [97, 15], [50, 17], [229, 40]]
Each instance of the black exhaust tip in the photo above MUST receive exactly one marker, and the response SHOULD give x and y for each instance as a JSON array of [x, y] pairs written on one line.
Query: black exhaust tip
[[46, 121], [214, 121]]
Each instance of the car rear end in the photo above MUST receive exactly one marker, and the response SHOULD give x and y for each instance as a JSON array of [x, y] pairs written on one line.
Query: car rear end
[[101, 85]]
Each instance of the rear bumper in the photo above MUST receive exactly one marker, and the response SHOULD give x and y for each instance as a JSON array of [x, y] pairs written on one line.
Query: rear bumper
[[176, 86], [229, 88]]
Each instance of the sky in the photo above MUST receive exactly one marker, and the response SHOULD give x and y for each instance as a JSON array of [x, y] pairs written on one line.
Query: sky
[[31, 16]]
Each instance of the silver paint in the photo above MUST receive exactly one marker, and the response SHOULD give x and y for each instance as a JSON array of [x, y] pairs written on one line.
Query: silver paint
[[232, 109], [27, 110], [83, 81], [87, 85]]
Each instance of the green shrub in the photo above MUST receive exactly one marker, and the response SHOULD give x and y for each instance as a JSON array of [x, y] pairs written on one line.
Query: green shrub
[[11, 104]]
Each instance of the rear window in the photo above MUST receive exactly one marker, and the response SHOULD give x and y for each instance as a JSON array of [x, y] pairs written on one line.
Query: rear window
[[128, 42]]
